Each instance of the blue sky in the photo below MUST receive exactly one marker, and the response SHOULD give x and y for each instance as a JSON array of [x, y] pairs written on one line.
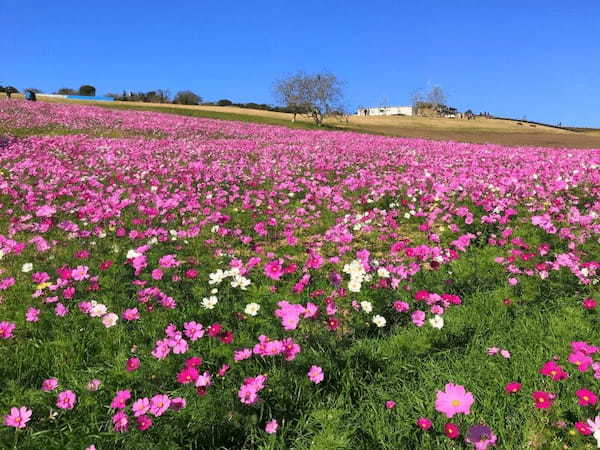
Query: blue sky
[[539, 59]]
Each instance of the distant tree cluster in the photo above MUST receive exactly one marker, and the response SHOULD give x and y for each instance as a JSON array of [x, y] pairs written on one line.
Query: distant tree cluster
[[9, 90], [432, 102], [86, 90], [157, 96], [187, 98]]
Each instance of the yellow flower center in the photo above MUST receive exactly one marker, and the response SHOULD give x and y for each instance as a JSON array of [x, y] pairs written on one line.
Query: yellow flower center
[[586, 398], [455, 403]]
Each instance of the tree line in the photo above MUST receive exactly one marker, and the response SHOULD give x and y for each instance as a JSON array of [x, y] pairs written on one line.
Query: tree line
[[313, 95]]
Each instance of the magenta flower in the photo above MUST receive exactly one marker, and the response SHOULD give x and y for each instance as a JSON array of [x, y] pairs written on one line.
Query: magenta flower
[[132, 364], [315, 374], [18, 417], [512, 387], [542, 399], [424, 423], [66, 400], [390, 404], [143, 423], [6, 329], [178, 403], [187, 375], [455, 399], [586, 397]]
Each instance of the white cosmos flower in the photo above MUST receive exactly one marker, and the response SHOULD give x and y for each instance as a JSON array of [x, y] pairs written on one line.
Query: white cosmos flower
[[209, 302], [131, 254], [366, 306], [252, 309], [437, 322], [354, 285], [379, 321], [97, 309], [383, 272], [27, 267], [110, 320], [216, 277]]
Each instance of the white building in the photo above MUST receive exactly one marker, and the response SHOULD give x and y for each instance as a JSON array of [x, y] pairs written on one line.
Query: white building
[[386, 111]]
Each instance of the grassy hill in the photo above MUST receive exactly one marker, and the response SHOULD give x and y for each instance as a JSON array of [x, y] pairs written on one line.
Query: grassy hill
[[481, 130]]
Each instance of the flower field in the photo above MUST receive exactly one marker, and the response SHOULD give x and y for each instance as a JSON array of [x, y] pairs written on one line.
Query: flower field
[[177, 282]]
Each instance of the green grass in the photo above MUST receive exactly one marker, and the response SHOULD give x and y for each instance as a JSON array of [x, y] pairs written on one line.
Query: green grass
[[364, 366]]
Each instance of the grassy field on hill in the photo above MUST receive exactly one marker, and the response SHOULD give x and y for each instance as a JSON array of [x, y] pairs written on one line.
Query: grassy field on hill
[[480, 130]]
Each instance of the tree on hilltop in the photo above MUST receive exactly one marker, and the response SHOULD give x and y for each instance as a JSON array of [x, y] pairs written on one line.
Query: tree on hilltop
[[313, 95]]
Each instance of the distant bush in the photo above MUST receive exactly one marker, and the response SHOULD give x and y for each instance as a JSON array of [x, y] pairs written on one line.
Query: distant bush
[[87, 90], [224, 102], [67, 91], [187, 98]]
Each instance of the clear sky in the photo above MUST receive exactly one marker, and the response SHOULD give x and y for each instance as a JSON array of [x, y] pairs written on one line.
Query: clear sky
[[539, 59]]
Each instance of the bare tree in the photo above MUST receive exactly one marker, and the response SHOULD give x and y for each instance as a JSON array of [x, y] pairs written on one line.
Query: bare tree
[[436, 97], [416, 100], [314, 95]]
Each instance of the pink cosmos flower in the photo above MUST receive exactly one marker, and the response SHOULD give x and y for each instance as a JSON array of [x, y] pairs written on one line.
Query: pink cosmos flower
[[505, 353], [390, 404], [132, 364], [159, 404], [586, 397], [93, 385], [271, 427], [418, 318], [120, 422], [131, 314], [140, 406], [455, 399], [424, 423], [401, 306], [61, 310], [49, 384], [581, 360], [193, 330], [157, 274], [315, 374], [273, 270], [204, 380], [66, 400], [18, 417], [80, 273], [32, 315], [6, 329], [120, 399]]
